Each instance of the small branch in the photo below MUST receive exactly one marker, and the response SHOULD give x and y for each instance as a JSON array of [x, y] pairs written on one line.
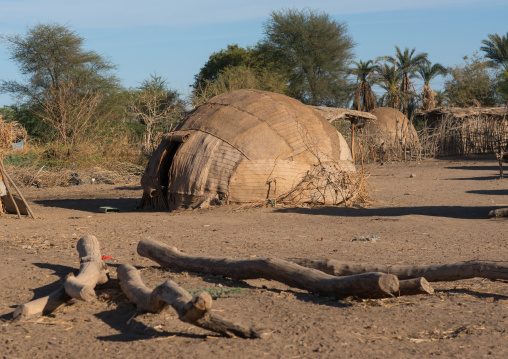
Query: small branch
[[432, 273], [92, 270], [415, 286], [195, 310], [41, 306], [294, 275]]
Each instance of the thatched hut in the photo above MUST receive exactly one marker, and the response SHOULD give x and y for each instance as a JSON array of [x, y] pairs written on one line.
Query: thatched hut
[[391, 128], [457, 130], [249, 146]]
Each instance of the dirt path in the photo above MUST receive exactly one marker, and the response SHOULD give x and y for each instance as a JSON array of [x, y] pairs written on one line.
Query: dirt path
[[437, 215]]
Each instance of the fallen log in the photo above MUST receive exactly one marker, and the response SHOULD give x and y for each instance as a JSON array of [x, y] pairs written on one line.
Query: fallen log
[[92, 270], [195, 310], [432, 273], [41, 306], [415, 286], [292, 274], [500, 212]]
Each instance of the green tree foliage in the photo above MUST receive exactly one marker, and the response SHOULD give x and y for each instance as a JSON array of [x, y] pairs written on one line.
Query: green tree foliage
[[496, 50], [408, 64], [314, 51], [236, 68], [58, 71], [388, 78], [49, 54], [471, 84], [364, 99], [156, 107], [240, 77], [428, 72], [232, 56]]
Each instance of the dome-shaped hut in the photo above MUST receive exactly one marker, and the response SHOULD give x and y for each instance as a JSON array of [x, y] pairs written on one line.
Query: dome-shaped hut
[[248, 146], [391, 128]]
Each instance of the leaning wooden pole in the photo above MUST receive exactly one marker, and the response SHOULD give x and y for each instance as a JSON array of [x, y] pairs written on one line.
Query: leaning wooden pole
[[432, 273], [6, 175], [8, 187], [291, 274], [195, 310]]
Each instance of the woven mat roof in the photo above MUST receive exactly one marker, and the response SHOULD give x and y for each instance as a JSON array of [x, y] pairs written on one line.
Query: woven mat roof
[[460, 112], [335, 113]]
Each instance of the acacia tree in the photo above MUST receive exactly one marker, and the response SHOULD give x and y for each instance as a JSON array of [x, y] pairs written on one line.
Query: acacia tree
[[314, 50], [471, 84], [237, 68], [428, 72], [155, 106], [53, 60], [408, 63], [364, 99]]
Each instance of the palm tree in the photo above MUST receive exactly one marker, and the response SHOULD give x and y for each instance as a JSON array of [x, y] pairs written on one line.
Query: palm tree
[[364, 96], [429, 72], [389, 78], [496, 49], [408, 63]]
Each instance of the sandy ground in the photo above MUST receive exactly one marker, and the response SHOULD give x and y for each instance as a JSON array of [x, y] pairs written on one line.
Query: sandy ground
[[438, 215]]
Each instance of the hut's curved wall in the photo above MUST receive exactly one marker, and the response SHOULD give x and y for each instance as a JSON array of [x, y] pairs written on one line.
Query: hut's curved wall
[[245, 146], [391, 127]]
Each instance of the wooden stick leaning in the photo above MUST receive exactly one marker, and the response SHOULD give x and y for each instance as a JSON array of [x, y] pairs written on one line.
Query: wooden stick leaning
[[432, 273], [92, 270], [8, 179], [194, 310], [8, 187], [294, 275]]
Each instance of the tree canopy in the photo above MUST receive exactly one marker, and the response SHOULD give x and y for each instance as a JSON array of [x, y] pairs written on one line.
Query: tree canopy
[[49, 54], [314, 50], [471, 84]]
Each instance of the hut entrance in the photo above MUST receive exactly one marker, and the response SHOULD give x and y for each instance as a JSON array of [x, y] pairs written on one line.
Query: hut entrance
[[167, 161], [157, 184]]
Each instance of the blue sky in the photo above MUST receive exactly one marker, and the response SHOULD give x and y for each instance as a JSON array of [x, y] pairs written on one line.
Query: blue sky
[[175, 38]]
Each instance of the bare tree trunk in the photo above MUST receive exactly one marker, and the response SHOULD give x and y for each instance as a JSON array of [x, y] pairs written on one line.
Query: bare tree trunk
[[195, 310], [432, 273], [294, 275], [92, 270]]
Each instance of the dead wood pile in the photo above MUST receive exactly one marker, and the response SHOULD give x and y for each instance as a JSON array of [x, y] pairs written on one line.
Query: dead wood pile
[[11, 132], [328, 277]]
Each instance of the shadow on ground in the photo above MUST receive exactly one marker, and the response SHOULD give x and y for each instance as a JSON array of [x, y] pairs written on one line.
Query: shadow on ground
[[458, 212], [92, 205], [491, 192]]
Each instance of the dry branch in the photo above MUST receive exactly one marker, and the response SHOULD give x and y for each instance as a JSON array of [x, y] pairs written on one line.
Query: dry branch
[[92, 270], [41, 306], [294, 275], [500, 212], [432, 273], [415, 286], [194, 310]]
